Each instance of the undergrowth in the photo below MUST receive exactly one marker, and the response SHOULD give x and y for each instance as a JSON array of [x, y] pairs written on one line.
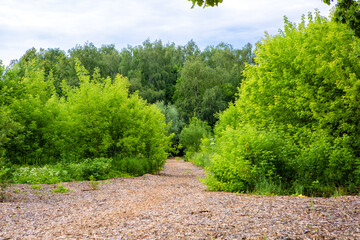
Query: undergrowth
[[86, 170]]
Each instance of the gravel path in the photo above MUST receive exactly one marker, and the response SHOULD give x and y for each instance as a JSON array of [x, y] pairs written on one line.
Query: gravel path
[[172, 205]]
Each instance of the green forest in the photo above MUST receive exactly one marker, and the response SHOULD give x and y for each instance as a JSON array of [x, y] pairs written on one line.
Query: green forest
[[281, 117]]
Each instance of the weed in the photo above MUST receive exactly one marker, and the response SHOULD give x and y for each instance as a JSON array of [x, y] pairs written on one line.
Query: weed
[[3, 182], [38, 186], [16, 191], [94, 185], [60, 189], [3, 186], [312, 204]]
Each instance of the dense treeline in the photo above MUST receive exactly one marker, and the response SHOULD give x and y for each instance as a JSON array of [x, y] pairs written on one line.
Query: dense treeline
[[157, 71], [185, 79], [294, 128], [96, 104]]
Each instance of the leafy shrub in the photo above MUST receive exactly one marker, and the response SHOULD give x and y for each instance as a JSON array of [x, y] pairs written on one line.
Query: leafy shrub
[[133, 166], [173, 120], [305, 84], [38, 186], [35, 175], [4, 173], [50, 174], [98, 168], [203, 157], [191, 135], [98, 118], [94, 185], [60, 189], [89, 169], [247, 155], [327, 164]]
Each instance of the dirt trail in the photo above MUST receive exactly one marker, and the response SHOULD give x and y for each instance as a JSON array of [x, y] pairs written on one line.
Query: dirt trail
[[172, 205]]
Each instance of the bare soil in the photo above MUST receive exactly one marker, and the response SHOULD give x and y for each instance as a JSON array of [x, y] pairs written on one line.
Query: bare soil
[[171, 205]]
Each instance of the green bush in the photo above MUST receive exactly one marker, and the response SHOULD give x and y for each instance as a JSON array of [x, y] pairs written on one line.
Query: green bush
[[50, 174], [174, 122], [326, 165], [133, 166], [246, 156], [106, 121], [203, 157], [98, 168], [4, 178], [47, 174], [305, 83], [270, 162], [88, 169], [191, 135]]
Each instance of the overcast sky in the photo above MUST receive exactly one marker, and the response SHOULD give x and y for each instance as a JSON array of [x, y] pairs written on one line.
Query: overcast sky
[[64, 23]]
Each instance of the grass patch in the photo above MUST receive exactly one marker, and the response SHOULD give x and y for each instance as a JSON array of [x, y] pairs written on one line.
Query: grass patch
[[86, 170], [60, 189]]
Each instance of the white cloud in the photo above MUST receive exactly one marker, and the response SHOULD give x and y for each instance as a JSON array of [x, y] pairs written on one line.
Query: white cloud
[[65, 23]]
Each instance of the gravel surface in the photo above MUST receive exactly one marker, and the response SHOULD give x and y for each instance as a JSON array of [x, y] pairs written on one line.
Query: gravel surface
[[172, 205]]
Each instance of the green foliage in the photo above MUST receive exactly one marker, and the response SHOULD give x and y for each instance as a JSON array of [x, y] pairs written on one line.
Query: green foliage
[[89, 169], [8, 130], [59, 108], [203, 157], [4, 178], [200, 159], [347, 12], [60, 189], [85, 170], [316, 67], [195, 79], [47, 174], [94, 185], [191, 135], [106, 121], [133, 166], [305, 84], [96, 169], [243, 157], [174, 122], [209, 81], [96, 119], [28, 127], [327, 164], [152, 69], [2, 68], [205, 3]]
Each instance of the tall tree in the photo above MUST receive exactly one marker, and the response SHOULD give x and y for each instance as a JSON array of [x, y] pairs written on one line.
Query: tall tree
[[347, 12], [153, 69], [195, 79], [209, 81], [296, 117]]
